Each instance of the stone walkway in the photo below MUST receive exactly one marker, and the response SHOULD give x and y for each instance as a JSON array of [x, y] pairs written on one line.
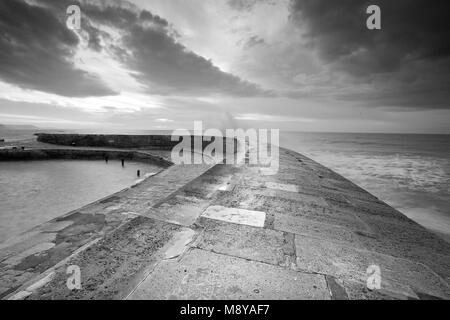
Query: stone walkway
[[231, 232], [33, 255]]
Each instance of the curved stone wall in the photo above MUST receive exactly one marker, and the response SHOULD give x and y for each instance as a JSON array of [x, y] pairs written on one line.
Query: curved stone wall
[[80, 154], [151, 142]]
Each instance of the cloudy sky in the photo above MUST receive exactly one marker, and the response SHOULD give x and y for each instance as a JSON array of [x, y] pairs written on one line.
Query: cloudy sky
[[306, 65]]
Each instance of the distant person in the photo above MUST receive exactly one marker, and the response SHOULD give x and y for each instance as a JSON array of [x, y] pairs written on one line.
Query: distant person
[[123, 162], [106, 159], [139, 173]]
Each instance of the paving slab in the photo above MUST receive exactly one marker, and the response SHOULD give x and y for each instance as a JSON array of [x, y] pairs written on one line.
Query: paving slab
[[290, 179], [282, 186], [217, 178], [377, 208], [20, 244], [359, 291], [235, 215], [258, 244], [345, 185], [337, 291], [112, 267], [295, 196], [241, 197], [11, 280], [406, 233], [398, 275], [178, 210], [286, 208], [205, 275], [330, 196], [318, 230], [404, 239]]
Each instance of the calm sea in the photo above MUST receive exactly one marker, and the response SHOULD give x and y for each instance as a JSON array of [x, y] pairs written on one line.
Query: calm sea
[[409, 172], [33, 192]]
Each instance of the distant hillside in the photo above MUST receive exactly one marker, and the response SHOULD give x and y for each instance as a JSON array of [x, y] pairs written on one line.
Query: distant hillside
[[17, 132], [18, 127]]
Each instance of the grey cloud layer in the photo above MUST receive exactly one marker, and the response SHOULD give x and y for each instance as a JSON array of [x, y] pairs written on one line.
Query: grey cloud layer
[[36, 50], [407, 63], [164, 65]]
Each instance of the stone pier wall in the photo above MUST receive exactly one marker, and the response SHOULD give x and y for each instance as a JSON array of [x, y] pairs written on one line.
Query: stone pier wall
[[150, 142], [80, 154]]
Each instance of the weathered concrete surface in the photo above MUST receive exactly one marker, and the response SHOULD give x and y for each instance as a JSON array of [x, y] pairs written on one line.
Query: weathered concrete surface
[[205, 275], [257, 244], [317, 223], [320, 235], [111, 267]]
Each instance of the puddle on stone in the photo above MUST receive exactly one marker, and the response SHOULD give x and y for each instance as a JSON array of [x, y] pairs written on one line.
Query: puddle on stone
[[178, 243]]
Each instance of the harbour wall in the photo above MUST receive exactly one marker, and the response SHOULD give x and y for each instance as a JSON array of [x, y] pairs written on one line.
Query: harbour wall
[[80, 154], [149, 142]]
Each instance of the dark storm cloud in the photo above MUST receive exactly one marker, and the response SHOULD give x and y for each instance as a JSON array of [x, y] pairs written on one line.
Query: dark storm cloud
[[406, 63], [161, 63], [36, 50], [253, 41], [165, 65]]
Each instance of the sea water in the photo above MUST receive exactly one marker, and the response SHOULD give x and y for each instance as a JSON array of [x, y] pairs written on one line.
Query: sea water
[[33, 192], [410, 172]]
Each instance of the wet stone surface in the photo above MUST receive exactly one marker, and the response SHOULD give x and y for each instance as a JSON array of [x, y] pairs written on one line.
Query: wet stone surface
[[206, 275], [231, 232], [246, 242], [110, 268]]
